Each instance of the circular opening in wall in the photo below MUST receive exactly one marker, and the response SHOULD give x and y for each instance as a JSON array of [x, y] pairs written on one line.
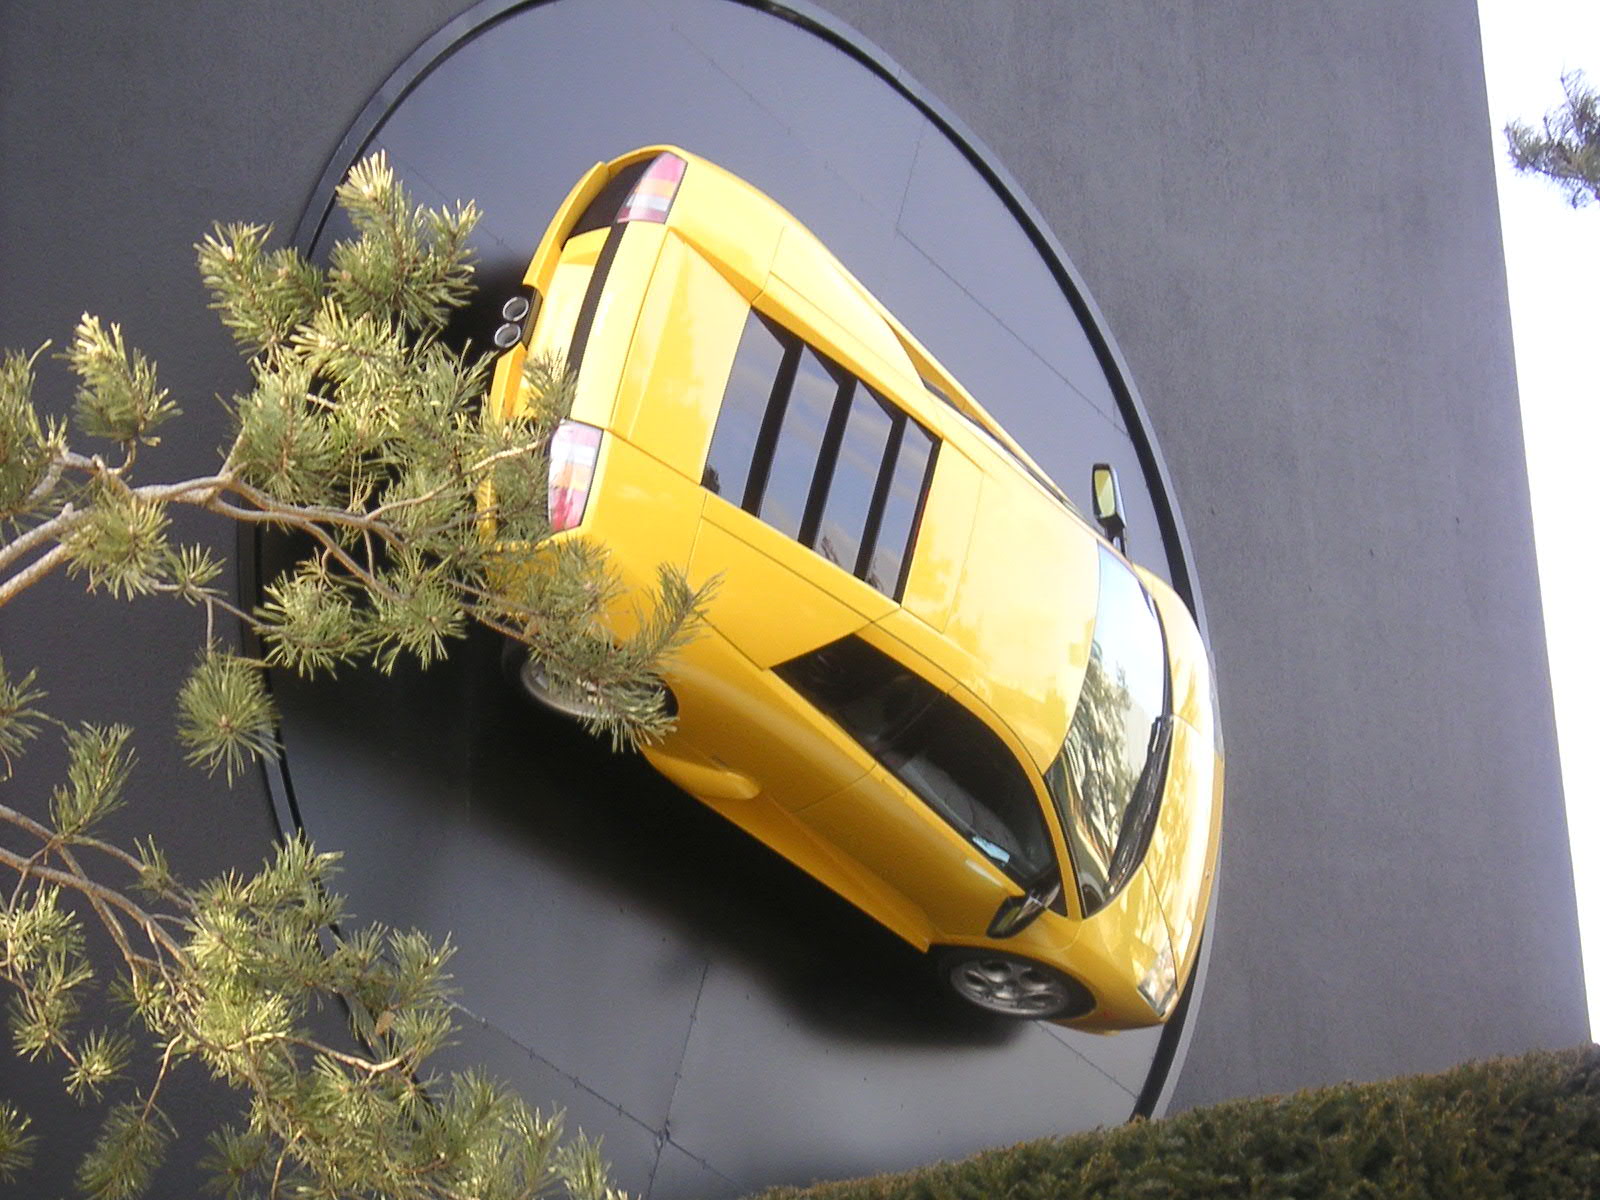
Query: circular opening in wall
[[723, 1020]]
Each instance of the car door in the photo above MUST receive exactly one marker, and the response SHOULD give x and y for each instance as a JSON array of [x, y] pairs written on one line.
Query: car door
[[948, 817]]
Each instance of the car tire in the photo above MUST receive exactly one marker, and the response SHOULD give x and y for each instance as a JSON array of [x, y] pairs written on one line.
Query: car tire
[[525, 673], [1009, 985]]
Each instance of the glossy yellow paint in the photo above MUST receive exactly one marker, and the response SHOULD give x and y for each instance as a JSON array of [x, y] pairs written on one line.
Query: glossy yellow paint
[[549, 253], [943, 540], [998, 610], [748, 581], [1010, 584], [682, 352], [649, 514], [810, 293], [1114, 950]]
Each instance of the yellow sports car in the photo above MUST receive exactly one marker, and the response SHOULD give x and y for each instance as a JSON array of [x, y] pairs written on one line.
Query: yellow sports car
[[927, 680]]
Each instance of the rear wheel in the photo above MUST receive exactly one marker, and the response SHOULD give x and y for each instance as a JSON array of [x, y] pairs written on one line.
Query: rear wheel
[[1012, 986], [528, 675]]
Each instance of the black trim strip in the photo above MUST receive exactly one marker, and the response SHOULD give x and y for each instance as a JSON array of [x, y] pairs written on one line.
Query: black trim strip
[[755, 483], [591, 298], [535, 303], [827, 461], [916, 521], [603, 209], [880, 490]]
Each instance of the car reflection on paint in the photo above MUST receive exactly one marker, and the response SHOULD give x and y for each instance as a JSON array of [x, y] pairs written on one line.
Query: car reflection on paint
[[926, 680]]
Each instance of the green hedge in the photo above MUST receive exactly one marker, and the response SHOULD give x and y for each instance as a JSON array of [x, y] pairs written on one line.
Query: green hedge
[[1526, 1127]]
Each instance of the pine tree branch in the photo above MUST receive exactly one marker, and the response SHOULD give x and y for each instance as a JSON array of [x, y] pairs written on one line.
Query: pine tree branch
[[209, 599], [78, 882], [32, 574], [315, 530], [56, 528], [363, 434], [198, 492], [47, 483], [305, 514], [44, 832], [353, 1061], [277, 1170], [57, 1043], [161, 1078]]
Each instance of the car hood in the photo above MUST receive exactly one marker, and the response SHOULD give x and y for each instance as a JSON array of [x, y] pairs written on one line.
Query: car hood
[[1024, 610]]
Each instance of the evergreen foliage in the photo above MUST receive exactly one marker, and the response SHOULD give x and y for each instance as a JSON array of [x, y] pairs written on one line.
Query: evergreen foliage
[[227, 977], [1509, 1129], [1565, 148], [361, 431], [365, 435]]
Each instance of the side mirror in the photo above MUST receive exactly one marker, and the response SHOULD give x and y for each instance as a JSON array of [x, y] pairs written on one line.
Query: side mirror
[[1018, 912], [1108, 504]]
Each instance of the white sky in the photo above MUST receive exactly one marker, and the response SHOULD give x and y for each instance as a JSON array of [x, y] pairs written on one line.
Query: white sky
[[1553, 269]]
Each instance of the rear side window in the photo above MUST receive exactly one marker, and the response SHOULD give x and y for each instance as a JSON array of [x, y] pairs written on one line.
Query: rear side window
[[798, 450], [933, 744], [818, 455], [758, 374], [905, 488], [842, 529]]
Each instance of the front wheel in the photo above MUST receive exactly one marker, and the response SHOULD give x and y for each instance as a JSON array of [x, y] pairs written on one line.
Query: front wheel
[[1012, 986]]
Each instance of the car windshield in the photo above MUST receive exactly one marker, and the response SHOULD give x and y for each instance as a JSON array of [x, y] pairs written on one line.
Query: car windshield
[[1106, 782]]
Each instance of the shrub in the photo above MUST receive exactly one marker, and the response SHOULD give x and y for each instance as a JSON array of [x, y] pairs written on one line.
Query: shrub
[[1524, 1127]]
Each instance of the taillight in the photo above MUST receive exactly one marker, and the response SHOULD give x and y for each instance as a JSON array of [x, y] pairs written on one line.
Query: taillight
[[574, 449], [651, 197]]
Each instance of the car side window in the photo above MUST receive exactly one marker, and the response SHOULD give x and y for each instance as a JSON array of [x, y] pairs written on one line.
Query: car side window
[[798, 451], [905, 490], [760, 370], [844, 523], [933, 744], [818, 455]]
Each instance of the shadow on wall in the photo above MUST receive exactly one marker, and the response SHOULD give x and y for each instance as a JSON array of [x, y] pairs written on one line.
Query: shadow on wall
[[562, 800]]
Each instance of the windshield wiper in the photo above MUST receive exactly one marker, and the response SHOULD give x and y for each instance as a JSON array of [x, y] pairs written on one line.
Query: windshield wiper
[[1144, 805]]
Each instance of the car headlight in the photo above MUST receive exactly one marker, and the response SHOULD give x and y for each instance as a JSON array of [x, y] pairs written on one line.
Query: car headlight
[[1159, 987], [1216, 708]]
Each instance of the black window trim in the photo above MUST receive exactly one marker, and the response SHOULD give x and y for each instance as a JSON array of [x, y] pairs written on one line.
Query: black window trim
[[591, 297], [916, 518], [827, 454], [851, 389], [607, 203], [755, 484], [880, 489]]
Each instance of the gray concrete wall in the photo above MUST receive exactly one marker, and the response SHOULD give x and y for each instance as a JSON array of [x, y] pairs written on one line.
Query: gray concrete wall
[[1286, 214]]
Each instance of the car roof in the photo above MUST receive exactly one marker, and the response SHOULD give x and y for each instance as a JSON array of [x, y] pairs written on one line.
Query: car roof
[[1016, 628]]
